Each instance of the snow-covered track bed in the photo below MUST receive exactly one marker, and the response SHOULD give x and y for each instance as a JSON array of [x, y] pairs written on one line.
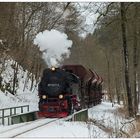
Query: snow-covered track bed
[[26, 127], [16, 126]]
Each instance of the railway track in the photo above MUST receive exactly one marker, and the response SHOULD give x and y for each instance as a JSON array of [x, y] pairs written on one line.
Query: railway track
[[17, 130], [26, 127], [14, 127]]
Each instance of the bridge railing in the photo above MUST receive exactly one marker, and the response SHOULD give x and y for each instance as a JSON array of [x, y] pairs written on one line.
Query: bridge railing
[[5, 113], [81, 115], [20, 117]]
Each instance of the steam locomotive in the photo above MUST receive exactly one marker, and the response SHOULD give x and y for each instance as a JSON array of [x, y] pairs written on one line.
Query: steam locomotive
[[67, 89]]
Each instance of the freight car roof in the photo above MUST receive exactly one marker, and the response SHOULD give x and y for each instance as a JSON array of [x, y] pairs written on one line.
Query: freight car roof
[[78, 70], [81, 71]]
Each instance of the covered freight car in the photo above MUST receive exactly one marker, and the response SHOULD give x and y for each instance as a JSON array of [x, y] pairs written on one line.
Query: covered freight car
[[90, 87]]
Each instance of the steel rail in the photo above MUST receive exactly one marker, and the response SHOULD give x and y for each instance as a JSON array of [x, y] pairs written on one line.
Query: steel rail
[[17, 127], [33, 128], [68, 118], [29, 127]]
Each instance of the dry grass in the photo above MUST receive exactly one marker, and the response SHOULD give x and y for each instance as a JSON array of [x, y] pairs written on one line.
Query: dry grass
[[132, 127], [137, 126], [122, 111], [100, 125]]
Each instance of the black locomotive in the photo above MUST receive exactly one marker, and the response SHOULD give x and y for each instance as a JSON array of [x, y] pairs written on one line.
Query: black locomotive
[[71, 87], [56, 93]]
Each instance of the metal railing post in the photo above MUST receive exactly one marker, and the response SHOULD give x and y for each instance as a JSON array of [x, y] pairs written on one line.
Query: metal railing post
[[14, 110], [8, 120], [28, 108], [3, 116], [21, 109], [11, 111]]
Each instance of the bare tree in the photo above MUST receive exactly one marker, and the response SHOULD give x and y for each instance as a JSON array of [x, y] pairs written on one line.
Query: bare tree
[[135, 59], [126, 59]]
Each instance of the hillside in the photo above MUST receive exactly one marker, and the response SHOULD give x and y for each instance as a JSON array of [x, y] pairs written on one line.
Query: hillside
[[25, 89]]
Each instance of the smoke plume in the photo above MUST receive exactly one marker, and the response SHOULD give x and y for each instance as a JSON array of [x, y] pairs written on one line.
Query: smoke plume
[[54, 46]]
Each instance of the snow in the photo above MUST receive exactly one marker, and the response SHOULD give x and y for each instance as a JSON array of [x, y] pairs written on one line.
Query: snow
[[26, 127], [1, 42], [109, 116], [106, 114], [105, 120], [62, 129], [23, 94], [8, 100], [103, 114]]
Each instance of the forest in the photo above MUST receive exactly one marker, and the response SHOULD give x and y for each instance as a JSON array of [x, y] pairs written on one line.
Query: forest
[[108, 45]]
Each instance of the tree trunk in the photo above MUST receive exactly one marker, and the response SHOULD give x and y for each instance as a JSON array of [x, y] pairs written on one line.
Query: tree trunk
[[116, 81], [15, 77], [135, 62], [126, 60], [108, 78], [32, 81]]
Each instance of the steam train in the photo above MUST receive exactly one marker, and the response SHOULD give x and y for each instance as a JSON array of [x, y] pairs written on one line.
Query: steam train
[[67, 89]]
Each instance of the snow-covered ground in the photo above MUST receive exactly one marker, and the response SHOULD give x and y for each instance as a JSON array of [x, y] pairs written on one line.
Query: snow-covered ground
[[62, 129], [105, 120], [106, 124], [29, 98], [24, 95]]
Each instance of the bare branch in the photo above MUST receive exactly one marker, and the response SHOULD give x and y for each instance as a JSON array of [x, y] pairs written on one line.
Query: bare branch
[[103, 14], [68, 3], [32, 13], [112, 21]]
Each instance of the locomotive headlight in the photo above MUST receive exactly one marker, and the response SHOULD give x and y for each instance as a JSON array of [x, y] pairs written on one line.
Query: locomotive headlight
[[53, 68], [60, 96], [44, 96]]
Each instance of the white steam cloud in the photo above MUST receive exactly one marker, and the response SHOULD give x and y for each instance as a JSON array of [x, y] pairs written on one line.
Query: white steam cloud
[[54, 45]]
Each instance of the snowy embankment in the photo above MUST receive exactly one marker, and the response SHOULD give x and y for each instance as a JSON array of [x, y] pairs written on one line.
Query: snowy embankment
[[24, 95], [112, 119]]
